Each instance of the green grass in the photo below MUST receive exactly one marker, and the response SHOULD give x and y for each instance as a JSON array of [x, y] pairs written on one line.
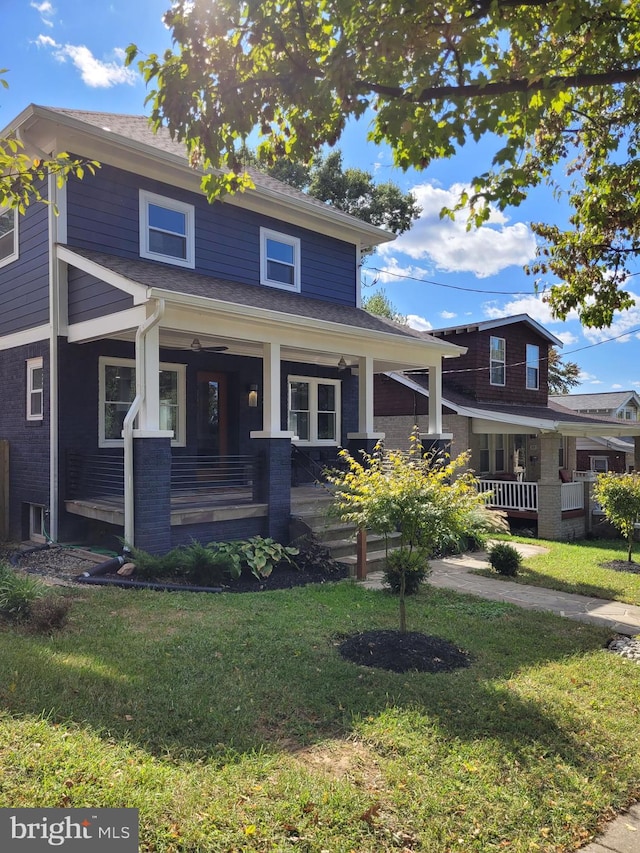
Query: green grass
[[232, 723], [579, 567]]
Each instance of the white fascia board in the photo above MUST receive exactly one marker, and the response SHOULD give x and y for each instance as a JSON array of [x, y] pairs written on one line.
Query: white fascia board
[[67, 133], [28, 336], [106, 325], [133, 288], [596, 429]]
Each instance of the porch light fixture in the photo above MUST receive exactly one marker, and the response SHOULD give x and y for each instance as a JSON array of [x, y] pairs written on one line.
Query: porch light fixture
[[196, 346], [252, 398], [342, 364]]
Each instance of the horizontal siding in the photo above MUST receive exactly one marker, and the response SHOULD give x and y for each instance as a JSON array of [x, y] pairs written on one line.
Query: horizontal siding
[[90, 298], [103, 215], [24, 283]]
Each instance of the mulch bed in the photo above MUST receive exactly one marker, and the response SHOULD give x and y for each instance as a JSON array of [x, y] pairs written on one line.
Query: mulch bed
[[622, 566], [403, 652]]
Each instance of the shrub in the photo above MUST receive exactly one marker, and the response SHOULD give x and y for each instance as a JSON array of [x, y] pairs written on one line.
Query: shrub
[[18, 592], [261, 555], [505, 559], [47, 614], [205, 566], [414, 567], [314, 558]]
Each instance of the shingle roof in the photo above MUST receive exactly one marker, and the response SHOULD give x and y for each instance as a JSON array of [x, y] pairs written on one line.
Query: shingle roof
[[606, 401], [179, 281]]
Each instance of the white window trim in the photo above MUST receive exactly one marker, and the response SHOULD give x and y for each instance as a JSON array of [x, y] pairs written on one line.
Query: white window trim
[[535, 387], [34, 364], [268, 234], [179, 439], [594, 459], [14, 255], [313, 382], [147, 198], [493, 360]]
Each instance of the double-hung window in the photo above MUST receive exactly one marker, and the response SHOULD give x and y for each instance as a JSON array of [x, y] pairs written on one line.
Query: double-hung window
[[35, 389], [167, 230], [533, 367], [8, 236], [117, 382], [279, 260], [497, 366], [314, 410]]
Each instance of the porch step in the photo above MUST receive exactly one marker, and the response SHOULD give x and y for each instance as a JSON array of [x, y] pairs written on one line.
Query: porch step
[[375, 562]]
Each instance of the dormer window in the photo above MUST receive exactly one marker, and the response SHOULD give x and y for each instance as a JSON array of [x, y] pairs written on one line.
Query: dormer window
[[279, 260], [533, 367], [8, 236], [167, 230], [497, 367]]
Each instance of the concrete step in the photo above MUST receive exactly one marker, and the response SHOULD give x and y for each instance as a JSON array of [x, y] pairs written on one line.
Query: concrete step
[[376, 561]]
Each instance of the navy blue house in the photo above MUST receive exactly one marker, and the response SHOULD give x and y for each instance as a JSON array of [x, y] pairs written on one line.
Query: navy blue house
[[173, 368]]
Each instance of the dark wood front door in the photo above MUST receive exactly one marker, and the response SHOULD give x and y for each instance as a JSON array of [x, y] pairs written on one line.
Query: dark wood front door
[[212, 414]]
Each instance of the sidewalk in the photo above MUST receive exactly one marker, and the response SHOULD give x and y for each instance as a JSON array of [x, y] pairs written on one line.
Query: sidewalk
[[621, 835], [455, 573]]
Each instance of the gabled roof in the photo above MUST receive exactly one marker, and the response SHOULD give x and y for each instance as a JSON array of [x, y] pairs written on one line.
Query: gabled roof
[[128, 141], [496, 324], [606, 401], [550, 418]]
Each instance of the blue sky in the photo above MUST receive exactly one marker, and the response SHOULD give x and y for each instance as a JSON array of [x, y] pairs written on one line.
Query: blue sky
[[69, 53]]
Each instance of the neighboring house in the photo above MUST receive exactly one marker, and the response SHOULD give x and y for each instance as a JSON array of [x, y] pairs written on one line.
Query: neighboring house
[[161, 355], [600, 453], [496, 404]]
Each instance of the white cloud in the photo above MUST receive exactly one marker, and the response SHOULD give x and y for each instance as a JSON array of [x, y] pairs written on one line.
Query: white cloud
[[393, 272], [624, 325], [482, 251], [46, 10], [448, 315], [96, 73], [532, 305], [616, 387], [419, 323], [566, 337]]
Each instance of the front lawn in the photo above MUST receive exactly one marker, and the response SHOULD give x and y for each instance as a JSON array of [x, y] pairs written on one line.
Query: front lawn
[[579, 567], [232, 723]]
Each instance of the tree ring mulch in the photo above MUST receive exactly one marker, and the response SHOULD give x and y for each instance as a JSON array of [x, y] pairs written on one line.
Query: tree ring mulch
[[403, 652], [622, 566]]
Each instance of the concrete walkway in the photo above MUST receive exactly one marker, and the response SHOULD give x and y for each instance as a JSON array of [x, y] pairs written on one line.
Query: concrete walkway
[[455, 573], [621, 835]]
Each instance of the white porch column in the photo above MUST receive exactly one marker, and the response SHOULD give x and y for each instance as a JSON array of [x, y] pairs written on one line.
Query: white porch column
[[148, 367], [271, 398], [435, 399], [365, 401]]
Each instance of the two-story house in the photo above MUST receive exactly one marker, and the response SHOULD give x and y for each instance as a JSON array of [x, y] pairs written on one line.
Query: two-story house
[[161, 355], [496, 403], [604, 453]]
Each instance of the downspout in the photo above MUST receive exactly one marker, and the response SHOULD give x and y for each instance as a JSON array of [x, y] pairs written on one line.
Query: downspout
[[127, 426]]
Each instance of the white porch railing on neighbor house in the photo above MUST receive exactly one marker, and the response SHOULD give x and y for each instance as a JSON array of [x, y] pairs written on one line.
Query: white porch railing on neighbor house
[[581, 476], [523, 497]]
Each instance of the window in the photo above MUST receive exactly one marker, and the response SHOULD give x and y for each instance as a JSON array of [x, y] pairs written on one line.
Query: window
[[484, 453], [628, 413], [533, 367], [37, 523], [118, 388], [167, 230], [600, 464], [279, 260], [8, 236], [498, 358], [314, 410], [35, 389], [499, 452]]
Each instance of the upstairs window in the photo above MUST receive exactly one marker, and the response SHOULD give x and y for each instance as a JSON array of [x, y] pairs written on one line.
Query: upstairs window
[[167, 230], [35, 389], [314, 410], [279, 260], [533, 367], [8, 236], [628, 413], [497, 371]]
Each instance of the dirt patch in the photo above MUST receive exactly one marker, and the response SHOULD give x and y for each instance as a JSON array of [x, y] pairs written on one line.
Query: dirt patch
[[622, 566], [343, 760], [403, 652]]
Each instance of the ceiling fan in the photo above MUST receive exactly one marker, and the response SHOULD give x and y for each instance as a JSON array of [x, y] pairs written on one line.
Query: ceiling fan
[[196, 346]]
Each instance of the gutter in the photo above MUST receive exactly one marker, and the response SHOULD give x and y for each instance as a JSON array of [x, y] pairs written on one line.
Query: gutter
[[127, 426]]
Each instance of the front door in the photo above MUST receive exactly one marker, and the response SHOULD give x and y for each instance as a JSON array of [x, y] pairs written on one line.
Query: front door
[[212, 414]]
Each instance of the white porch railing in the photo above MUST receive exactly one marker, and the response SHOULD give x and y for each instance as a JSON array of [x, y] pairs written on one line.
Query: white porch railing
[[523, 497], [581, 476], [507, 494], [572, 496]]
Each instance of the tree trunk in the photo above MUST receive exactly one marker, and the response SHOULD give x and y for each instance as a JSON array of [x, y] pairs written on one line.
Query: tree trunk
[[403, 611]]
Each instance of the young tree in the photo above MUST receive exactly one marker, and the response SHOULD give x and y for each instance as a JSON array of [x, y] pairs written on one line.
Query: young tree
[[619, 497], [552, 82], [380, 305], [429, 499], [563, 375]]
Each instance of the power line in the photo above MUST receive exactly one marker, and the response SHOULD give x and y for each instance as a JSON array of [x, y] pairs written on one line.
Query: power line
[[452, 286]]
